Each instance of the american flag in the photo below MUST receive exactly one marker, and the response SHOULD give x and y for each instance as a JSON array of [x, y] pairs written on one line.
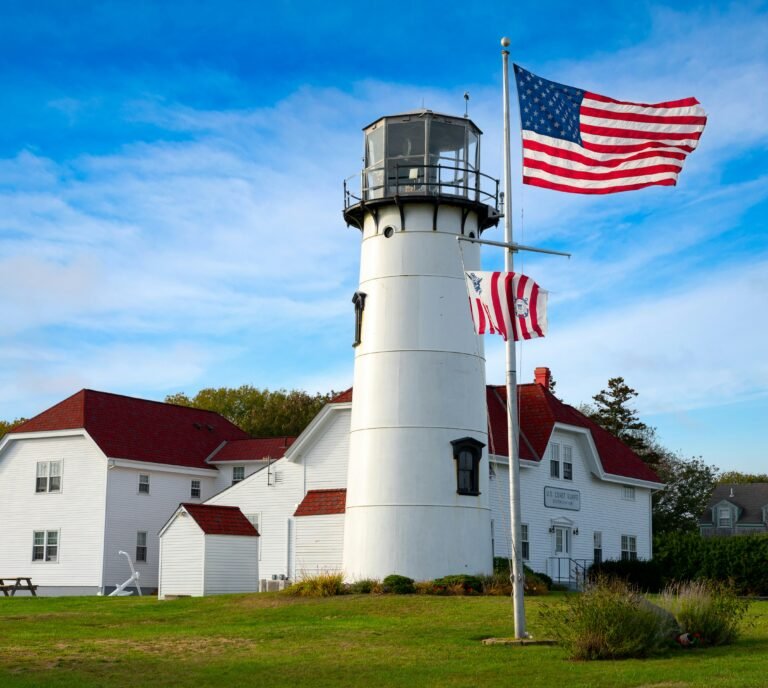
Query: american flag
[[582, 142], [507, 303]]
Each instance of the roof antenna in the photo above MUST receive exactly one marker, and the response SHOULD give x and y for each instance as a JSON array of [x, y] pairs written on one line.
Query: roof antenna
[[466, 104]]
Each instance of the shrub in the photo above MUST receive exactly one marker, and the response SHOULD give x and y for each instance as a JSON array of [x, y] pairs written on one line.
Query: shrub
[[709, 611], [365, 586], [688, 556], [399, 585], [496, 584], [644, 575], [320, 585], [609, 620], [460, 584]]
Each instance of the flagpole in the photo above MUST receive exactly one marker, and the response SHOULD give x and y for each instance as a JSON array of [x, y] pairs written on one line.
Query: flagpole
[[518, 577]]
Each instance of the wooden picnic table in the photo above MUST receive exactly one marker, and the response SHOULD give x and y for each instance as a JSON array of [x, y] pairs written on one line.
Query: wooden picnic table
[[9, 586]]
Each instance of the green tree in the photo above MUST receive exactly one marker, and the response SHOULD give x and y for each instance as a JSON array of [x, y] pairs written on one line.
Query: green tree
[[7, 426], [612, 410], [739, 478], [689, 485], [260, 412]]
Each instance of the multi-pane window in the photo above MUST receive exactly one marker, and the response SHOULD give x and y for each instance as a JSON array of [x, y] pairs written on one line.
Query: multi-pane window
[[525, 544], [141, 546], [48, 477], [724, 519], [467, 452], [628, 492], [194, 490], [466, 468], [238, 474], [554, 460], [45, 545], [597, 555], [143, 483], [628, 547], [567, 462]]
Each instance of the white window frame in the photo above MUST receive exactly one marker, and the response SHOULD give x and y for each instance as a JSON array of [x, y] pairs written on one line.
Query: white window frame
[[597, 546], [236, 480], [726, 522], [47, 471], [554, 460], [141, 546], [628, 547], [193, 488], [143, 483], [567, 462], [628, 492], [525, 542], [46, 545]]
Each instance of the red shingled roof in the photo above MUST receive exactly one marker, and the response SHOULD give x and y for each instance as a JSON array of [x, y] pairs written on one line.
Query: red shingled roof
[[539, 411], [220, 520], [321, 502], [256, 449], [138, 429], [342, 398]]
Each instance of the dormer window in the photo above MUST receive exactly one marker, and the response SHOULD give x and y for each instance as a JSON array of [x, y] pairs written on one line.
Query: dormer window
[[467, 452], [724, 517]]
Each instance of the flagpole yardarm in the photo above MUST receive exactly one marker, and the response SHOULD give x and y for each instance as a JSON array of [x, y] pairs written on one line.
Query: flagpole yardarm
[[511, 375], [513, 247]]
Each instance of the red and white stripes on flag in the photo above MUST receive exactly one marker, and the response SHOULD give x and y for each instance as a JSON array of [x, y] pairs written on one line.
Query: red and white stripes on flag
[[582, 142], [507, 303]]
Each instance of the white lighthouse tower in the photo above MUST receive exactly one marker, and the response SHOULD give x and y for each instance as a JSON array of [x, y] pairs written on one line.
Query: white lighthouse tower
[[417, 486]]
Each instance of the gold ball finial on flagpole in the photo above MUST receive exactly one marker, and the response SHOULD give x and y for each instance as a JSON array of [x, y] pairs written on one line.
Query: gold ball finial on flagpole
[[505, 42]]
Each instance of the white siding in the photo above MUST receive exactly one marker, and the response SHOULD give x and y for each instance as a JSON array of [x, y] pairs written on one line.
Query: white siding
[[319, 544], [224, 478], [326, 460], [183, 555], [231, 564], [602, 509], [276, 503], [77, 512], [129, 512]]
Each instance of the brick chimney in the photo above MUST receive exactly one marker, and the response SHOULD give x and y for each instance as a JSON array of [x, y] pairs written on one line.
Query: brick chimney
[[542, 376]]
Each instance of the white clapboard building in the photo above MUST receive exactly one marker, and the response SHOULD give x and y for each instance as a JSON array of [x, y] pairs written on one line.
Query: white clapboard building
[[101, 473]]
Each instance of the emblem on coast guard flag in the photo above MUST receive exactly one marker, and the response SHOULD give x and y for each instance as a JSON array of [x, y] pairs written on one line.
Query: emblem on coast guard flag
[[508, 304], [476, 282]]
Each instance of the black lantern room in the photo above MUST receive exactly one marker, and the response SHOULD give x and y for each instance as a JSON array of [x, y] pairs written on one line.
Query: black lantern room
[[423, 156]]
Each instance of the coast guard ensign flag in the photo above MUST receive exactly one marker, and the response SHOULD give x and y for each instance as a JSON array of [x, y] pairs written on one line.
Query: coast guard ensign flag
[[582, 142], [507, 303]]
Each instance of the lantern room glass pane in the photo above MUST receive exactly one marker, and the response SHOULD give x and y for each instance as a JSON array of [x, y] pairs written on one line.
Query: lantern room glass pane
[[374, 164], [405, 150]]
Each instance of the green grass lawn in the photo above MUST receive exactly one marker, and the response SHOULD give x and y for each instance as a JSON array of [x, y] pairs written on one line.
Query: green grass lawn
[[272, 640]]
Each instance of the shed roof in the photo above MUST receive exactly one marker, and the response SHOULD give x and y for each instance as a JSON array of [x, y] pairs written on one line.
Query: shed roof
[[220, 520], [322, 502]]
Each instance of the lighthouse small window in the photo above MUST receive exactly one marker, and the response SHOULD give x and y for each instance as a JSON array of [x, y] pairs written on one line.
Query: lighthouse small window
[[467, 453], [358, 298]]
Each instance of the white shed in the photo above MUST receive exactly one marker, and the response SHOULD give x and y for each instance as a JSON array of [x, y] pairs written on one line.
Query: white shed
[[208, 550]]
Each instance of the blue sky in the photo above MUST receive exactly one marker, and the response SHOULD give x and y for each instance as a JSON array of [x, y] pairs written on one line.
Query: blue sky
[[170, 198]]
